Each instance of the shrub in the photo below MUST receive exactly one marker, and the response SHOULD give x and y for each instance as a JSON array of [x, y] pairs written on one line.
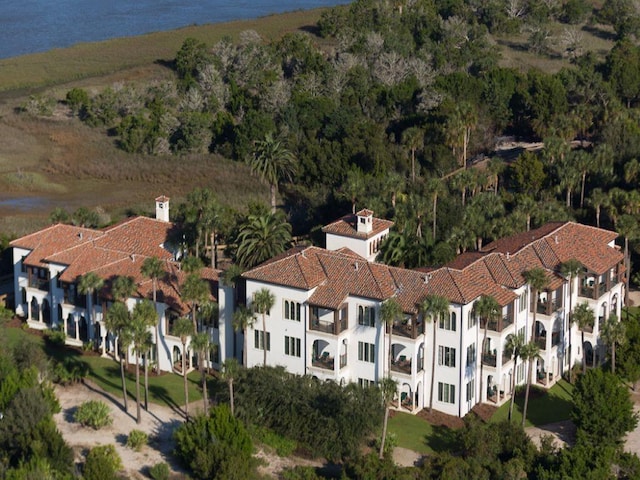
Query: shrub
[[94, 414], [102, 463], [160, 471], [55, 337], [283, 446], [137, 439], [70, 371]]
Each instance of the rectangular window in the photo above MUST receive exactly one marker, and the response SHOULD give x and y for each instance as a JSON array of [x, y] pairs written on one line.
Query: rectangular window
[[522, 301], [471, 387], [448, 322], [471, 354], [366, 352], [366, 316], [447, 356], [292, 310], [471, 320], [259, 340], [365, 383], [292, 346], [520, 373], [446, 393]]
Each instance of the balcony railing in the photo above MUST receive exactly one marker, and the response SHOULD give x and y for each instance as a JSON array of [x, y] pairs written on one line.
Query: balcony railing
[[408, 329], [541, 341], [555, 338], [343, 360], [39, 283], [402, 366], [326, 326], [489, 359], [548, 307], [323, 361], [505, 358]]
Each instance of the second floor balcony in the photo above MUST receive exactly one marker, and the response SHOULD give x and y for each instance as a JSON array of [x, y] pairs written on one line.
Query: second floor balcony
[[402, 365], [408, 328], [327, 324], [323, 361]]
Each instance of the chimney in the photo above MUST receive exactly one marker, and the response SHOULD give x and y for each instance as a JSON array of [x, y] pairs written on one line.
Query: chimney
[[364, 219], [80, 235], [162, 208], [356, 266]]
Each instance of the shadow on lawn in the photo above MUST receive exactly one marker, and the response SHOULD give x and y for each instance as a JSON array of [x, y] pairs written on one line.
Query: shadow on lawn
[[163, 394], [442, 439]]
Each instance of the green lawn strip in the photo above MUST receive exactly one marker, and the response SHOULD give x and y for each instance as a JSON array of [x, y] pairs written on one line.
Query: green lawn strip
[[551, 406], [415, 433], [166, 389]]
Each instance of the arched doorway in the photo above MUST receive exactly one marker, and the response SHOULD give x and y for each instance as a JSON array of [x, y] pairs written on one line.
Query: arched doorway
[[35, 309], [46, 312]]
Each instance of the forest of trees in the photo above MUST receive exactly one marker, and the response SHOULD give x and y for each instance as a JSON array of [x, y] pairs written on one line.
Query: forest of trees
[[395, 114]]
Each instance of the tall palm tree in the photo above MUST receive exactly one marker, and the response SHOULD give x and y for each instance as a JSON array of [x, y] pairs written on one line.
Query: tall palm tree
[[435, 188], [263, 301], [488, 309], [514, 345], [627, 226], [272, 162], [613, 333], [497, 167], [413, 138], [230, 371], [529, 352], [88, 284], [195, 291], [123, 287], [142, 318], [570, 270], [354, 186], [433, 308], [584, 317], [460, 182], [388, 389], [458, 131], [183, 328], [390, 312], [116, 321], [152, 268], [243, 319], [537, 280], [201, 344], [262, 237]]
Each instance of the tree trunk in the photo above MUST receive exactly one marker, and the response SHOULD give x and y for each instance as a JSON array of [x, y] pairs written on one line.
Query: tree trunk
[[627, 265], [584, 178], [264, 340], [146, 381], [124, 385], [390, 356], [244, 348], [584, 355], [384, 432], [273, 197], [598, 216], [433, 364], [184, 375], [435, 208], [155, 289], [484, 341], [513, 387], [231, 402], [138, 411], [203, 373], [526, 394]]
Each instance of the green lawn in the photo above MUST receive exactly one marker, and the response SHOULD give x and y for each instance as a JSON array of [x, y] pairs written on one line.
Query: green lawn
[[417, 434], [555, 406], [166, 389]]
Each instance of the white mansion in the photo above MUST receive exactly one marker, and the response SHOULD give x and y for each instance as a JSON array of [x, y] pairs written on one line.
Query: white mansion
[[326, 318]]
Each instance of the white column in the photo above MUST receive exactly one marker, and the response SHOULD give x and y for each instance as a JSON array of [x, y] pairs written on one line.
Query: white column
[[103, 338], [40, 312], [29, 308], [64, 320], [77, 328]]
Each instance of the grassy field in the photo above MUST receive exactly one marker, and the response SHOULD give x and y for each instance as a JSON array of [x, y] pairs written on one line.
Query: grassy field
[[415, 433]]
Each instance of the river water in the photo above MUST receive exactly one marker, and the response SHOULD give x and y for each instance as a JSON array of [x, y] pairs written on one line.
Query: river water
[[30, 26]]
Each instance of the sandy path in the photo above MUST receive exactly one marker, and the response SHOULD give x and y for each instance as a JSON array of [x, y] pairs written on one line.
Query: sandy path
[[159, 423]]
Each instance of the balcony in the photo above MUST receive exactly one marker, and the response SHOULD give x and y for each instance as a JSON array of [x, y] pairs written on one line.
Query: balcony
[[548, 307], [39, 283], [401, 365], [555, 339], [497, 325], [323, 361], [541, 341], [489, 359], [343, 360], [327, 326], [408, 329], [505, 358]]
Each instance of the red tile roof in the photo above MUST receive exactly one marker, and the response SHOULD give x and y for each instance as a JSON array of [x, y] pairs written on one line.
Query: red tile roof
[[347, 226], [496, 270]]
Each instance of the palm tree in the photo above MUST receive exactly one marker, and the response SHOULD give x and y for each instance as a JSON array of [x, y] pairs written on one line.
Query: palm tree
[[436, 188], [88, 284], [458, 131], [142, 318], [514, 345], [144, 314], [243, 319], [460, 181], [388, 389], [262, 237], [497, 167], [195, 291], [584, 317], [613, 333], [116, 320], [537, 280], [152, 268], [272, 162], [488, 309], [433, 308], [413, 138], [123, 287], [529, 352], [597, 200], [230, 370], [263, 301], [201, 344], [570, 270], [390, 311], [354, 186], [526, 205], [183, 328], [628, 227]]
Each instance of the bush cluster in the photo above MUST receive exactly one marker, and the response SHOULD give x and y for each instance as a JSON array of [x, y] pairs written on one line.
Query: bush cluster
[[94, 414]]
